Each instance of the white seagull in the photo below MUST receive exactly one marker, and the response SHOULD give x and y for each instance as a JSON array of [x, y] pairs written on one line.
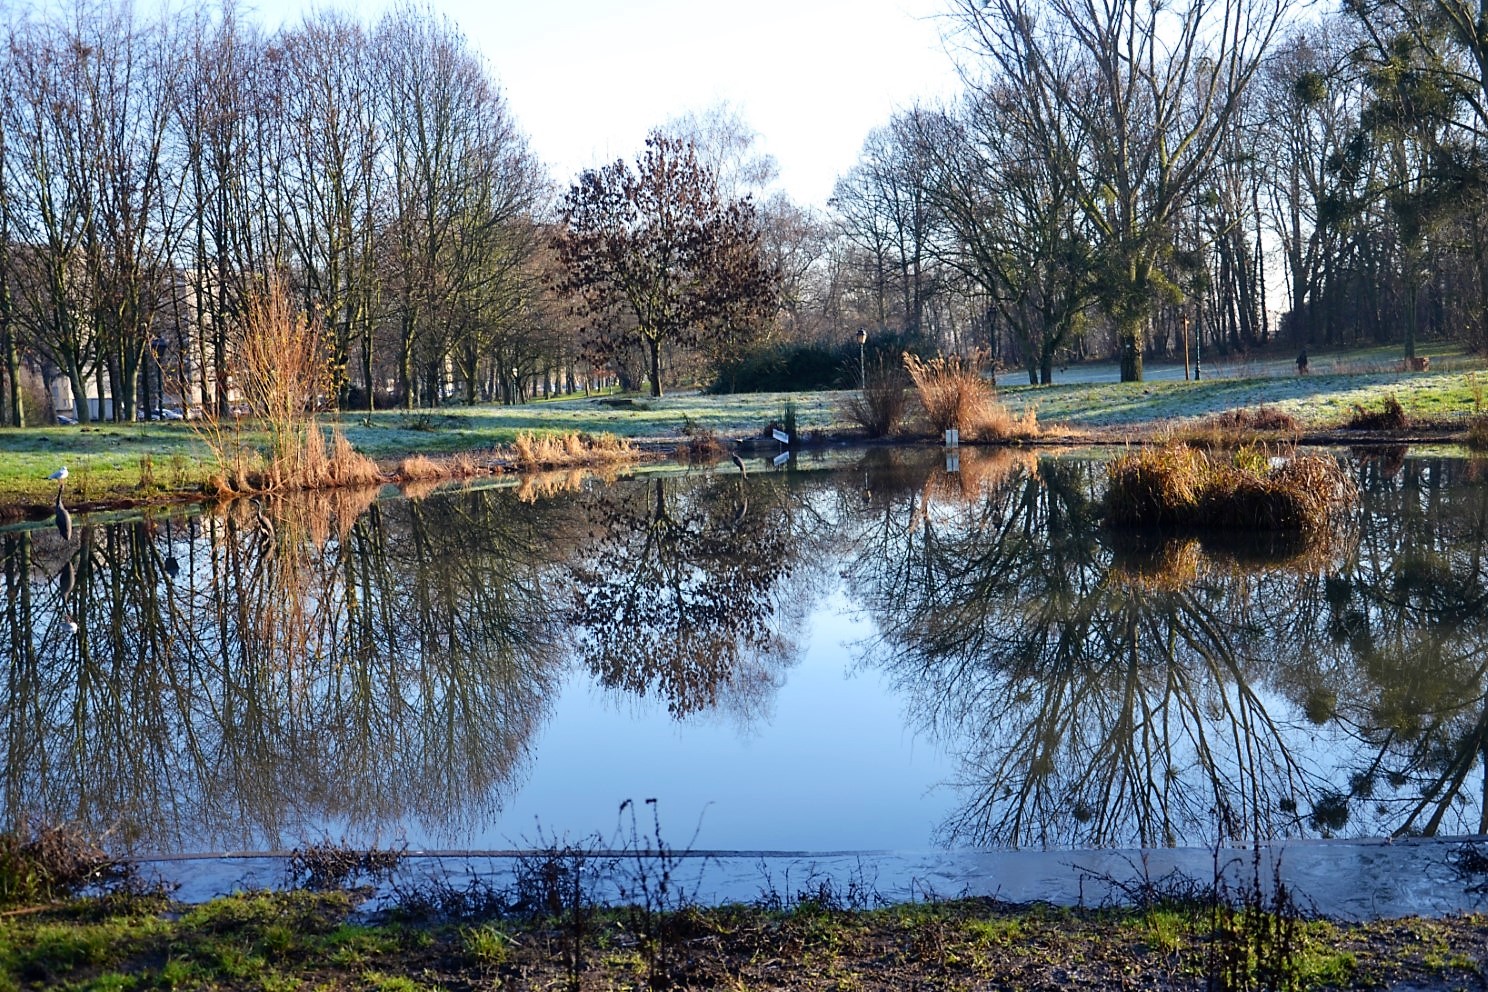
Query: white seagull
[[59, 475]]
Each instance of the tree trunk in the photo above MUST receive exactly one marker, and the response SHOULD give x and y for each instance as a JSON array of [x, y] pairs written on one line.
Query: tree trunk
[[13, 377], [80, 410], [1129, 339], [655, 354]]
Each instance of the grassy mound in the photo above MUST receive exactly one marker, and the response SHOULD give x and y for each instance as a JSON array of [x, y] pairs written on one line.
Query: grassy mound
[[1181, 486]]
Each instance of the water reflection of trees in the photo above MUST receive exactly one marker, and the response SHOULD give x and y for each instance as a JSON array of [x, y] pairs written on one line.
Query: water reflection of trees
[[684, 595], [260, 673], [331, 666], [1102, 692], [244, 676]]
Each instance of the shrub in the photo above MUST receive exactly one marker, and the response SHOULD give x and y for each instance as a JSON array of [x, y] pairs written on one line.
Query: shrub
[[879, 407], [1390, 418], [42, 863], [1477, 432], [702, 444], [796, 368]]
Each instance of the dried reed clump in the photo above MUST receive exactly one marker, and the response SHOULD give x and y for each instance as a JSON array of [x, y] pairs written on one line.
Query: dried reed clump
[[418, 468], [1390, 417], [1234, 428], [43, 863], [953, 393], [1180, 486], [1477, 432], [999, 424], [341, 465], [465, 465], [701, 444], [532, 452], [880, 406], [951, 390]]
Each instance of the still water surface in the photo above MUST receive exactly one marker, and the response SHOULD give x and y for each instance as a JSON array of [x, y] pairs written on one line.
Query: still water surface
[[870, 655]]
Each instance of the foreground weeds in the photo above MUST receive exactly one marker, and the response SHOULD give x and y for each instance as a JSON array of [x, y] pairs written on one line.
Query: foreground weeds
[[319, 941], [597, 914]]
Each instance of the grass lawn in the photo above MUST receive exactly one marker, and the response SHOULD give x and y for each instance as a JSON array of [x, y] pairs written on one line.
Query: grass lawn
[[164, 459]]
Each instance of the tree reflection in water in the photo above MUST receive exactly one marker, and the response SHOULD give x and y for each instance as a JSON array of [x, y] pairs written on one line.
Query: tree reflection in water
[[1101, 692], [335, 663], [259, 674], [681, 596], [355, 664]]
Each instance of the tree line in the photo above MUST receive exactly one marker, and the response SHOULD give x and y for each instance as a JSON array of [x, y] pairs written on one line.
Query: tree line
[[1129, 179], [157, 171], [1119, 179]]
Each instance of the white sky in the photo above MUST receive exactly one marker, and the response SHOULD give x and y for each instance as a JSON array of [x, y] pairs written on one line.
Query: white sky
[[587, 80]]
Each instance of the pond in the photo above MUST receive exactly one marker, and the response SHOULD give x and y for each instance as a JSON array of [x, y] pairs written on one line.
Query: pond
[[961, 670]]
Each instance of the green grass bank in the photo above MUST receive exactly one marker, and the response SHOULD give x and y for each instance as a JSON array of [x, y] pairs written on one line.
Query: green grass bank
[[307, 940], [120, 464]]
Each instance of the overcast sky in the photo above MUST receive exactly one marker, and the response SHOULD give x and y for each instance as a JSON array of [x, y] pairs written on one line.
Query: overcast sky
[[586, 80]]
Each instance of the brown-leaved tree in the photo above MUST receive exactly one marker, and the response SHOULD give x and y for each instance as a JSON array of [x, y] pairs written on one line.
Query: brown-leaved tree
[[655, 255]]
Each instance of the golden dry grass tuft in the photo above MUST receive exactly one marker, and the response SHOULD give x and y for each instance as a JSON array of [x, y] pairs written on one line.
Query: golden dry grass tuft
[[419, 468], [1181, 486], [953, 393], [1235, 428], [951, 390], [535, 452], [998, 423]]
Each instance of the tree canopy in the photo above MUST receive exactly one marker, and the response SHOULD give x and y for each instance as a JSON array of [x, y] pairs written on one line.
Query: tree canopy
[[654, 255]]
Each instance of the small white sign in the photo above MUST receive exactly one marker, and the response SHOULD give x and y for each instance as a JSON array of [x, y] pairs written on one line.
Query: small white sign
[[780, 435], [953, 437]]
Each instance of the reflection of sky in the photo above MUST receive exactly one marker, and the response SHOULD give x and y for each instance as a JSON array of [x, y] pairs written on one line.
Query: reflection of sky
[[829, 768]]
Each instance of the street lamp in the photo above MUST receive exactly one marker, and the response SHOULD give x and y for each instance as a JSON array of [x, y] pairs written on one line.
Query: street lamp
[[862, 358]]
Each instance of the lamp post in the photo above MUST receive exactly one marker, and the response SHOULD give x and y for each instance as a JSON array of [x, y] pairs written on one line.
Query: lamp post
[[1198, 348], [862, 358]]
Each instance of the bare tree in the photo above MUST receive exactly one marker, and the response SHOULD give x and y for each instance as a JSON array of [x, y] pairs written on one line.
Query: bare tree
[[1013, 224], [463, 186], [1134, 100], [885, 212], [331, 112]]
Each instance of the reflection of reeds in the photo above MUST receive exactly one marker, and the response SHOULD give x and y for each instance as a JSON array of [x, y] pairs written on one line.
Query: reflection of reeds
[[1166, 565], [983, 470], [535, 486], [317, 516]]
